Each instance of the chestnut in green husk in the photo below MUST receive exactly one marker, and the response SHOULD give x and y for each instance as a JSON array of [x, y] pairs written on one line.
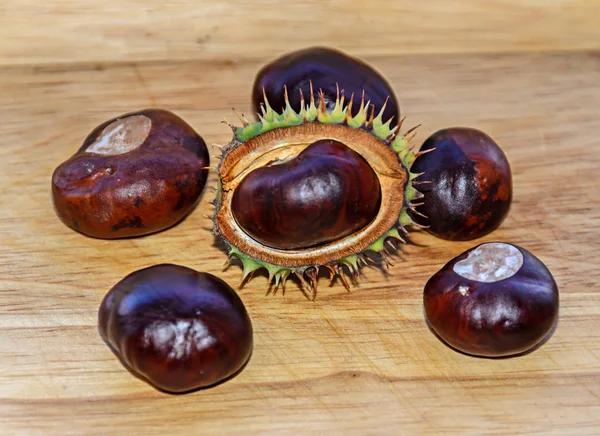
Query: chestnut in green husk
[[318, 188], [493, 300], [136, 174], [327, 69], [468, 184], [178, 328]]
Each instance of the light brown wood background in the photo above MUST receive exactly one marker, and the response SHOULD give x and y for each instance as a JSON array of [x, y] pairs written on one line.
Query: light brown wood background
[[363, 362]]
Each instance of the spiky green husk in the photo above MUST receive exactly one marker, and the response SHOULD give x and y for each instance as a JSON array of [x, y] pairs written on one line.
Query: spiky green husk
[[341, 114]]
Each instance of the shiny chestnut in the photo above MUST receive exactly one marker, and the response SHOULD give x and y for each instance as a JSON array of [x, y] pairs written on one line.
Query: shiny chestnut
[[468, 189], [327, 69], [178, 328], [325, 193], [493, 300], [135, 174]]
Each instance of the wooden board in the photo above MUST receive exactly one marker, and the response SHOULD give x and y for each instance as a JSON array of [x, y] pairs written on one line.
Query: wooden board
[[359, 362], [57, 31]]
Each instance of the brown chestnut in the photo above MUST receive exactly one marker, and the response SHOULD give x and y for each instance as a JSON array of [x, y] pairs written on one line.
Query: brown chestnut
[[325, 193], [493, 300], [135, 174], [327, 69], [468, 189], [178, 328]]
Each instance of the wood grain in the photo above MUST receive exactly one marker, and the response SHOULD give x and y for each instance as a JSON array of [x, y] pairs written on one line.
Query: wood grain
[[133, 30], [352, 363]]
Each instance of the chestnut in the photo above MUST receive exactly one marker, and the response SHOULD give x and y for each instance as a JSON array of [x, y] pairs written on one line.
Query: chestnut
[[178, 328], [327, 69], [325, 193], [493, 300], [468, 189], [135, 174]]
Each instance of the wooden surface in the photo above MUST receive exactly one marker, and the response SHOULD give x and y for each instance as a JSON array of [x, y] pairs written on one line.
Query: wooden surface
[[55, 31], [360, 362]]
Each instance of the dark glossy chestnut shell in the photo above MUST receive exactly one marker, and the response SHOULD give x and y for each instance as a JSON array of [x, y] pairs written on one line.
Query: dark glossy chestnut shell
[[326, 69], [469, 184], [325, 193], [493, 300], [178, 328], [136, 174]]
